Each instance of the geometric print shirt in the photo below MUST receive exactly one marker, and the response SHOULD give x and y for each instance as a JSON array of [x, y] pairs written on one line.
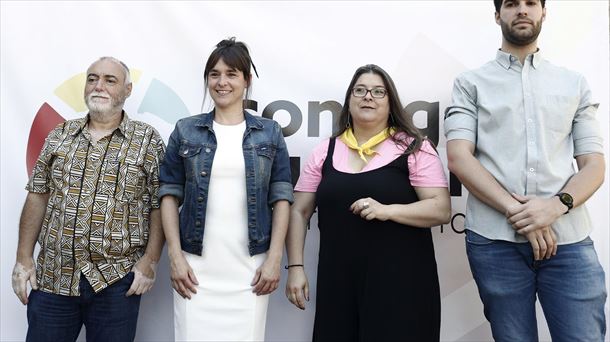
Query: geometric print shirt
[[100, 198]]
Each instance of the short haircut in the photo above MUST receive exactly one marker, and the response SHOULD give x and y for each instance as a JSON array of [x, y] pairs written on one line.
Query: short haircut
[[120, 63], [498, 4]]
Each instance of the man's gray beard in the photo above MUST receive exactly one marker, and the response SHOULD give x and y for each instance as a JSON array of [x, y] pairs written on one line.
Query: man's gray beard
[[101, 111], [99, 108]]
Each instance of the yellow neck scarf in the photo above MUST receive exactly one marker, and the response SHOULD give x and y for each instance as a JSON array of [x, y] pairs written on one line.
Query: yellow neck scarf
[[349, 139]]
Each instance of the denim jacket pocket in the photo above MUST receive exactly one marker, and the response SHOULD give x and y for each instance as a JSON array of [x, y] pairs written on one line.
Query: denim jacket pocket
[[189, 153], [265, 153]]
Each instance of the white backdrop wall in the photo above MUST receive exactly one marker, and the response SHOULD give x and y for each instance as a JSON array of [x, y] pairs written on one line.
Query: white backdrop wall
[[305, 53]]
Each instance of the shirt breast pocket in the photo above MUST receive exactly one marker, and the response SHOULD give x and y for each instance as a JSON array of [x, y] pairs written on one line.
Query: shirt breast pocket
[[559, 113], [190, 156], [122, 180], [265, 153]]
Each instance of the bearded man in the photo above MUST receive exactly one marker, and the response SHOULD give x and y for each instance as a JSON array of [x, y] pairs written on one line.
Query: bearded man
[[514, 128], [92, 204]]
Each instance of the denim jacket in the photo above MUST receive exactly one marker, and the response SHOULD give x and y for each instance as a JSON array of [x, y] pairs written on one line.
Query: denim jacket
[[185, 174]]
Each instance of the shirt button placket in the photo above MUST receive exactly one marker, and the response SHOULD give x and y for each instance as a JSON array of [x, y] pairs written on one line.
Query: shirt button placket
[[530, 186]]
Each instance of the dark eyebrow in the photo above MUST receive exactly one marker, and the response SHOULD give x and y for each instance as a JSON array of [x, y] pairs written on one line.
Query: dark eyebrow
[[229, 70]]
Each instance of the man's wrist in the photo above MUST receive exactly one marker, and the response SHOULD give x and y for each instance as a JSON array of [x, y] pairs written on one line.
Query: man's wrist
[[566, 201], [561, 208], [24, 257], [148, 257], [509, 205]]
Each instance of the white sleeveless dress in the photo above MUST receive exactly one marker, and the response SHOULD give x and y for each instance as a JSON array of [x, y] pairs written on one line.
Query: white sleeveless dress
[[224, 308]]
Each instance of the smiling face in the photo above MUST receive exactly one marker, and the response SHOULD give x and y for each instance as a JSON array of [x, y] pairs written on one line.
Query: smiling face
[[521, 21], [227, 86], [105, 88], [369, 111]]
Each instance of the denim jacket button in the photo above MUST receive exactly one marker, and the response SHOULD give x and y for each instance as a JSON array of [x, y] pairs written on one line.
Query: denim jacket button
[[197, 223], [200, 199], [207, 150], [203, 173]]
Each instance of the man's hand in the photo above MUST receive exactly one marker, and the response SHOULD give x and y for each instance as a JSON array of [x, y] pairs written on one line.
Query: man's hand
[[267, 277], [23, 272], [534, 213], [544, 243], [144, 272]]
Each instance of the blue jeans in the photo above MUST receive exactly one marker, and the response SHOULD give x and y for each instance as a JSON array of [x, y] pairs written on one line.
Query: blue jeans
[[570, 286], [107, 315]]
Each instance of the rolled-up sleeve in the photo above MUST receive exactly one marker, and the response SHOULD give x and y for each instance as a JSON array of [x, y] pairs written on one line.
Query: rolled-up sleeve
[[171, 174], [585, 128], [280, 187], [280, 191], [461, 115]]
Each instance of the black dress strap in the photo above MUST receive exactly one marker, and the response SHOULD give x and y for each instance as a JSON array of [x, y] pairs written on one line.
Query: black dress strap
[[329, 154]]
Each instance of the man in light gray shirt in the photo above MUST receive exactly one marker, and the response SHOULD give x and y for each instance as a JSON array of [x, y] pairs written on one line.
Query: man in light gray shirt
[[514, 127]]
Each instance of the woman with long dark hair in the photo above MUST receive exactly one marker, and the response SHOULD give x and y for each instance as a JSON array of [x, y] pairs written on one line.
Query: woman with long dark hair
[[378, 186], [230, 172]]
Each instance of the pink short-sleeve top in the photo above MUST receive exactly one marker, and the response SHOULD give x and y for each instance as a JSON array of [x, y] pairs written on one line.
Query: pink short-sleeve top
[[425, 166]]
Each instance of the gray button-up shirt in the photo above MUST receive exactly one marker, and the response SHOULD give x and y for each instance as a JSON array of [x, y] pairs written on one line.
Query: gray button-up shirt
[[527, 122]]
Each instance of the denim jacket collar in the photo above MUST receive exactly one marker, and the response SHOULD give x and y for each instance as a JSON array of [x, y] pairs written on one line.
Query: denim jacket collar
[[252, 122]]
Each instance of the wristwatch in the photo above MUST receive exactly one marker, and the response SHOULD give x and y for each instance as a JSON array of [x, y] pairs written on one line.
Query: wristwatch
[[567, 200]]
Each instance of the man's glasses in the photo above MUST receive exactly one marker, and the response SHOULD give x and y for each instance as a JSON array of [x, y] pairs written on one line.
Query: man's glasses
[[377, 92]]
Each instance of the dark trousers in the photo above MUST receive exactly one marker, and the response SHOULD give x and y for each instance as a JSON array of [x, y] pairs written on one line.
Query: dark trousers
[[107, 315]]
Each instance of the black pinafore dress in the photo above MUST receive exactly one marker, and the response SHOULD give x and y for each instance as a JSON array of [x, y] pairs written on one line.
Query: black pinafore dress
[[377, 281]]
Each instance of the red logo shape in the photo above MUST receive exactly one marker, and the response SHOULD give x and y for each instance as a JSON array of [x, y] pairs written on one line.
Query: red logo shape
[[46, 119]]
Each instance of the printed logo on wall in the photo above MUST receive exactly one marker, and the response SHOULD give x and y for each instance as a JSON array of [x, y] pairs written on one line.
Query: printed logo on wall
[[157, 99]]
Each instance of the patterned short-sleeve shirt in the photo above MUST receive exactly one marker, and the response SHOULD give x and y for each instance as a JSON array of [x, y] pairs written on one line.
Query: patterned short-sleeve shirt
[[100, 198]]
